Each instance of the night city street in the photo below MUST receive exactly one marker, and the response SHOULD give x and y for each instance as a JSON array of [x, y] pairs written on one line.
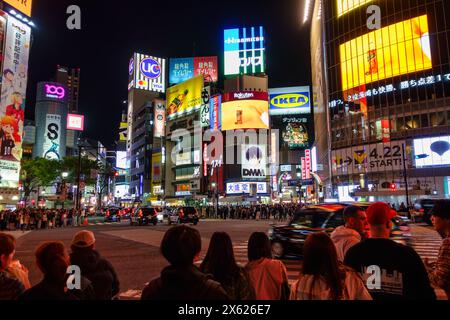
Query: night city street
[[205, 159]]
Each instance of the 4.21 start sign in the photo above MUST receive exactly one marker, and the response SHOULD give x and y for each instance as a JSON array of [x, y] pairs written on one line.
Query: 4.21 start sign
[[369, 158]]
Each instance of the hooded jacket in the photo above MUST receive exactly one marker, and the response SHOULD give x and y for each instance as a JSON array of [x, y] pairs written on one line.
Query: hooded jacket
[[344, 238], [99, 271], [183, 283], [307, 289]]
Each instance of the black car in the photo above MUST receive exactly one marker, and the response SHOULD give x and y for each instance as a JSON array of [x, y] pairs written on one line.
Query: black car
[[184, 215], [421, 211], [288, 240], [144, 216]]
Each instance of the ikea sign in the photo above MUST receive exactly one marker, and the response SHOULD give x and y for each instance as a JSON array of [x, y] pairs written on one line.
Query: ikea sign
[[287, 101]]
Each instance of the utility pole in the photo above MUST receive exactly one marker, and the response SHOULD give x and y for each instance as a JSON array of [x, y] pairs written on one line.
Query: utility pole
[[77, 204], [405, 175]]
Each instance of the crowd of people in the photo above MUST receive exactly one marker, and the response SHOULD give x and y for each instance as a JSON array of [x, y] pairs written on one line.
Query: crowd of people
[[351, 264], [279, 212], [37, 219]]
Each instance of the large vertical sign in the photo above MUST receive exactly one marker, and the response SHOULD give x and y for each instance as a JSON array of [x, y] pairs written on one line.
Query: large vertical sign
[[205, 110], [215, 112], [245, 51], [12, 101], [52, 139], [160, 119], [308, 163]]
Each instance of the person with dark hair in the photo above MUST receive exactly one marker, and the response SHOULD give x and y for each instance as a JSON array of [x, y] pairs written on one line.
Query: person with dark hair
[[182, 280], [345, 237], [439, 272], [93, 266], [391, 271], [323, 277], [53, 260], [268, 276], [11, 286], [221, 264]]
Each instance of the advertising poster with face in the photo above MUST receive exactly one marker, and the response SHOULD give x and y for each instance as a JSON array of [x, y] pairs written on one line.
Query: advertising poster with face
[[12, 100]]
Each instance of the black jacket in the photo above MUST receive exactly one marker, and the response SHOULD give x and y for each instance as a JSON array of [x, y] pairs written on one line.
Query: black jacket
[[188, 283], [99, 271], [51, 290]]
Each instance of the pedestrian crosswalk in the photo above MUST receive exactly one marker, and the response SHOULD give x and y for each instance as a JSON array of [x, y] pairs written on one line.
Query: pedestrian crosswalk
[[426, 242]]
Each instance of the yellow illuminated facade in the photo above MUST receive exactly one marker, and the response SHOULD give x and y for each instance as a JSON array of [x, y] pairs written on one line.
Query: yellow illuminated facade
[[21, 5], [345, 6], [391, 51]]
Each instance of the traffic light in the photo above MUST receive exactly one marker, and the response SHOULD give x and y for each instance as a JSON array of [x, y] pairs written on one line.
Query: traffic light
[[393, 187], [116, 174]]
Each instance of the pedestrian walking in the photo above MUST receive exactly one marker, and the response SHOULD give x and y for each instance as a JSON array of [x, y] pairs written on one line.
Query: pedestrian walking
[[439, 272], [402, 273], [221, 264], [268, 276], [323, 276], [182, 280], [93, 266]]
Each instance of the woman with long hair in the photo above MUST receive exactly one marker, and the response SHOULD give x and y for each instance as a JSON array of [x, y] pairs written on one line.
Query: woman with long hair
[[221, 264], [268, 276], [323, 277]]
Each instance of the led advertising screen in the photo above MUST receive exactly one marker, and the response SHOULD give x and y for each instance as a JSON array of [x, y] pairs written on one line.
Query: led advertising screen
[[294, 100], [245, 110], [159, 125], [244, 51], [121, 160], [147, 73], [23, 6], [295, 131], [12, 100], [254, 161], [52, 140], [431, 152], [345, 6], [185, 97], [75, 122], [182, 69], [52, 91], [391, 51]]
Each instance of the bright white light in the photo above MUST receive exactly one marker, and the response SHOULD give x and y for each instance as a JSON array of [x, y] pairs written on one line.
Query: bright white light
[[307, 11], [15, 198], [31, 23], [13, 12], [65, 174], [25, 20], [19, 16]]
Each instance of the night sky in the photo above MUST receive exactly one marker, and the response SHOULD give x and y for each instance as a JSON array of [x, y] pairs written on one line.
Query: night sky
[[113, 30]]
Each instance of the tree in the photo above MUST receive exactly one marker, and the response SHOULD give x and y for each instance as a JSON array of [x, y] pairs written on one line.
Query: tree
[[38, 172], [70, 165]]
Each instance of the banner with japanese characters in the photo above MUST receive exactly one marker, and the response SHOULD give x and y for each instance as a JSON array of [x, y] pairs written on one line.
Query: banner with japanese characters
[[12, 99]]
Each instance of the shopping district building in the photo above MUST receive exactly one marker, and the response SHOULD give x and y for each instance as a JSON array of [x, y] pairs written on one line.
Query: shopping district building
[[383, 94]]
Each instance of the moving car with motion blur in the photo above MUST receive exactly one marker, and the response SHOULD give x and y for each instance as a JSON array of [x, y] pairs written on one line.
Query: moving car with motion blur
[[421, 210], [288, 240], [113, 214], [144, 216], [184, 215]]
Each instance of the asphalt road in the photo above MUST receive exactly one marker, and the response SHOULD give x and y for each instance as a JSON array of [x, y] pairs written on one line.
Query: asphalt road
[[134, 251]]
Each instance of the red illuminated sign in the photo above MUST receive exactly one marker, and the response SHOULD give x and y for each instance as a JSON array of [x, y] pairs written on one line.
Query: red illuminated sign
[[75, 122]]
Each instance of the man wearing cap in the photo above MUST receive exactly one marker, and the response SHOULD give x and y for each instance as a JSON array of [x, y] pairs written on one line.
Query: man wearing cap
[[93, 266], [439, 272], [391, 271]]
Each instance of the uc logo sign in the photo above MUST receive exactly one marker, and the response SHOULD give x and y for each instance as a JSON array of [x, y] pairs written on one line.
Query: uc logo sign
[[150, 68], [289, 100]]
